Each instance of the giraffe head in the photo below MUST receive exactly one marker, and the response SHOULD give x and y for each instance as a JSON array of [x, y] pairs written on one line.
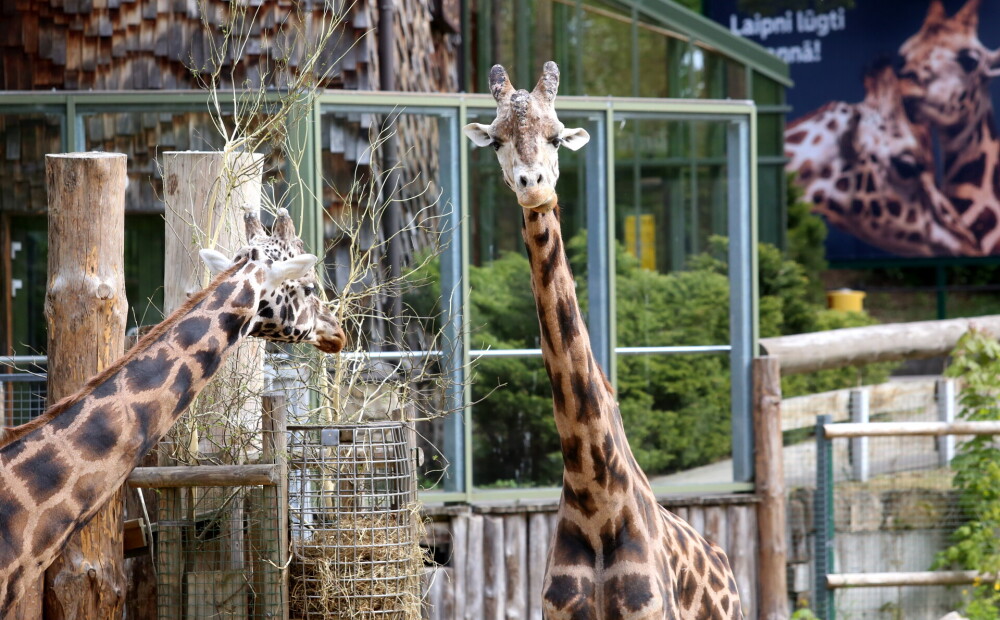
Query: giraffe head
[[944, 68], [289, 309], [526, 135]]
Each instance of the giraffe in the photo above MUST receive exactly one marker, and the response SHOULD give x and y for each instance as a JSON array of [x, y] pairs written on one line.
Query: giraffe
[[944, 79], [59, 469], [868, 170], [615, 553]]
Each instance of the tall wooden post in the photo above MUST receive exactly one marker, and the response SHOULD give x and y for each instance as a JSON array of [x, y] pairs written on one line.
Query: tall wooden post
[[85, 308], [206, 195], [770, 484]]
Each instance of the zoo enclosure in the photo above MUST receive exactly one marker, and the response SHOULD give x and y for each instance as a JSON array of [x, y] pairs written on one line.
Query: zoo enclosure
[[722, 202]]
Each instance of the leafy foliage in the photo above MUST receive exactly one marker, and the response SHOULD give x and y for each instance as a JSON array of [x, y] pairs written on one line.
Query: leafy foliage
[[975, 545]]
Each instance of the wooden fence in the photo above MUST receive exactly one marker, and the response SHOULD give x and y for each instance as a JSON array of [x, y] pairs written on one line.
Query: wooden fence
[[492, 558]]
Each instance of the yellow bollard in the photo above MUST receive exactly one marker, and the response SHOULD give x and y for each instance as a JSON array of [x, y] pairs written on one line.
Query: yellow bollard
[[845, 300]]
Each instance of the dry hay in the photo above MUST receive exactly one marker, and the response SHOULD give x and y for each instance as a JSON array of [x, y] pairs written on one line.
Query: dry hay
[[365, 565]]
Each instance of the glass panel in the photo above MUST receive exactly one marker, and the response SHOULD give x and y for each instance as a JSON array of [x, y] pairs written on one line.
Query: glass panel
[[676, 407], [606, 51], [670, 185], [766, 91], [770, 132], [514, 437], [653, 63]]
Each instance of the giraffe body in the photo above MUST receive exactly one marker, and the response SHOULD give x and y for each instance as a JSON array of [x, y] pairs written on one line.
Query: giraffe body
[[58, 470], [615, 552], [944, 79], [869, 172]]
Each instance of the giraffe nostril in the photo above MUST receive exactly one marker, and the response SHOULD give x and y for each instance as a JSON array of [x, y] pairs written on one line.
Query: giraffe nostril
[[539, 179], [524, 180]]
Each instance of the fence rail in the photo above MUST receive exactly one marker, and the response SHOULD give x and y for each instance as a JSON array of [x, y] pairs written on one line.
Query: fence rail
[[909, 514]]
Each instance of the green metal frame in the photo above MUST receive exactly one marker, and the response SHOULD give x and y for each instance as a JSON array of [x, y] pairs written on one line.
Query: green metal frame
[[741, 115]]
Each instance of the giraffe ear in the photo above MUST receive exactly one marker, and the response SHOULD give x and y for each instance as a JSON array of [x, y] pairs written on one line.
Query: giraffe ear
[[292, 269], [217, 262], [478, 133], [993, 63], [573, 139]]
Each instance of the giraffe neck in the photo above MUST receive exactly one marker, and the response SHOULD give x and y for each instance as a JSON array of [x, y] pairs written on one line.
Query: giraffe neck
[[972, 176], [57, 472], [599, 468]]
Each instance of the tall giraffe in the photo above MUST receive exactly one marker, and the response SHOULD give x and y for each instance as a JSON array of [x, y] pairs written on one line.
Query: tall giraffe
[[944, 78], [59, 469], [615, 553], [870, 173]]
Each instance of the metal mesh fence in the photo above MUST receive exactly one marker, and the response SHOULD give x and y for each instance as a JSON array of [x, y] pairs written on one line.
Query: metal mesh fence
[[354, 522], [22, 396], [217, 553], [890, 508]]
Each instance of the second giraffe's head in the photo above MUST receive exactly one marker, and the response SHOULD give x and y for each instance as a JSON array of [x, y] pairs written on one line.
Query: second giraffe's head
[[288, 310], [526, 135]]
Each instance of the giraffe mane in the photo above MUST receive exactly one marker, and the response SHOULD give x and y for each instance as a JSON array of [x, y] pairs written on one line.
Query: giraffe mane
[[11, 434]]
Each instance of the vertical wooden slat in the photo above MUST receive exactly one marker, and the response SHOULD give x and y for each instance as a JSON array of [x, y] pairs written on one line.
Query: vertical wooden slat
[[770, 485], [538, 547], [459, 560], [715, 526], [475, 567], [272, 589], [495, 581], [742, 554], [696, 517], [516, 558]]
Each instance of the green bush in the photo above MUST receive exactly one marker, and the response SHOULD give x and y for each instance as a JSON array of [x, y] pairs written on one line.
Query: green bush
[[675, 408], [975, 545]]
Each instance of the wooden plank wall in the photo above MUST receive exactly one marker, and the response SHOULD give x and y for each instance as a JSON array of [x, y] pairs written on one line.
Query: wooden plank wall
[[492, 558]]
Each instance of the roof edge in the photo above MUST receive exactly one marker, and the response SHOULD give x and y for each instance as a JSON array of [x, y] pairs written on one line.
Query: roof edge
[[702, 29]]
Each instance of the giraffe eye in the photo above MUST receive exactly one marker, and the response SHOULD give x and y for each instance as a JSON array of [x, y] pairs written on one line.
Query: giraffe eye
[[968, 60], [555, 141], [308, 290], [496, 144]]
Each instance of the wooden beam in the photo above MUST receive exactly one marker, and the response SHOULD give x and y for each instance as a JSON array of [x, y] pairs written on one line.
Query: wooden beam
[[204, 476], [836, 348], [910, 429], [85, 311], [926, 578], [769, 481]]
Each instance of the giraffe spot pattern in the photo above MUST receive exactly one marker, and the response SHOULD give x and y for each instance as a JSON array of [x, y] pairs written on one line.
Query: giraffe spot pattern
[[98, 436], [571, 452], [245, 298], [585, 394], [147, 373], [145, 414], [550, 263], [571, 547], [13, 518], [984, 224], [208, 360], [181, 387], [970, 173], [567, 317], [54, 526], [231, 325], [221, 295], [43, 474], [105, 389], [558, 398], [621, 541], [626, 594], [191, 330], [581, 499], [572, 594]]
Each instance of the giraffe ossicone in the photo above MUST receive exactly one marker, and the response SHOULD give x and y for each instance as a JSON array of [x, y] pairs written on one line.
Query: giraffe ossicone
[[59, 469], [615, 552]]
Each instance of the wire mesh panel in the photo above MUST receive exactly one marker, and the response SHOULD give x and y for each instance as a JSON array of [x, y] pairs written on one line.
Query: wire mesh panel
[[217, 554], [354, 523], [22, 397], [893, 521]]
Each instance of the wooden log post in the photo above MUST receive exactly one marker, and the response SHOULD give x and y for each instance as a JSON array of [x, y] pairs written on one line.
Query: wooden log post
[[770, 484], [86, 309], [206, 195]]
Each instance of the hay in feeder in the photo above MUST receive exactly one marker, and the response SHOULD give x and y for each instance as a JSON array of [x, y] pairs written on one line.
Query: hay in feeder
[[363, 565]]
